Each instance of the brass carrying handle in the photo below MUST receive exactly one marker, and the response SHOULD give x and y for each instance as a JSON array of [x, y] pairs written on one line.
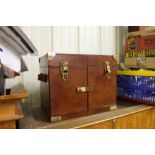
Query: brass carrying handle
[[85, 89], [107, 69]]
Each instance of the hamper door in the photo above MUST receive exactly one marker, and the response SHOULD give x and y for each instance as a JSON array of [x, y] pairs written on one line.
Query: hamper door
[[63, 95], [104, 94]]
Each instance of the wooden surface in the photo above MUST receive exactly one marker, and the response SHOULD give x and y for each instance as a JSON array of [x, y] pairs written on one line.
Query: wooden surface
[[8, 125], [17, 93], [10, 112], [10, 108], [129, 115], [100, 125], [13, 97], [139, 120]]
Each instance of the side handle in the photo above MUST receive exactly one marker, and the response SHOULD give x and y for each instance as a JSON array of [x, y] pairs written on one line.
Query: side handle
[[42, 77]]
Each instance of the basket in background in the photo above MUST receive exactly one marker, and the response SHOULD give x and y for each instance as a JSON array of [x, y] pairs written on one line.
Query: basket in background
[[136, 85]]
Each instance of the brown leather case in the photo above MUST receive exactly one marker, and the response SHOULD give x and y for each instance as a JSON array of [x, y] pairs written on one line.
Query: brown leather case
[[76, 85]]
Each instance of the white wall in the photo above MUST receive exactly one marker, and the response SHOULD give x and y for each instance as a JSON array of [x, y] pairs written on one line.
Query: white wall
[[121, 35], [78, 40], [84, 40]]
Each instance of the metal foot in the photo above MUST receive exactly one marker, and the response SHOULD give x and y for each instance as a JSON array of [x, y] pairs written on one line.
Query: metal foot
[[113, 107], [56, 118]]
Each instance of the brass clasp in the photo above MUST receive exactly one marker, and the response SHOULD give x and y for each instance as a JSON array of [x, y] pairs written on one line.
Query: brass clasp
[[81, 89], [85, 89], [107, 69], [64, 66]]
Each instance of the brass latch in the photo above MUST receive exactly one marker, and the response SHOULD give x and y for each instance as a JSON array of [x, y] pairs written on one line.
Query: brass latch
[[81, 89], [85, 89], [107, 69], [64, 66]]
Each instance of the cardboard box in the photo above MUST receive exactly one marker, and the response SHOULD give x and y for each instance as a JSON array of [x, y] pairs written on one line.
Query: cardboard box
[[148, 63], [140, 49]]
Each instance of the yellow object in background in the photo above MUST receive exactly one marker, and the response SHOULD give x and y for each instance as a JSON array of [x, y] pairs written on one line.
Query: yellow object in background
[[136, 73]]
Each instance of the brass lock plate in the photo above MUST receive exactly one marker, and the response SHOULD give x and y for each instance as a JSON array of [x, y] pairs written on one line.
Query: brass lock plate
[[64, 66]]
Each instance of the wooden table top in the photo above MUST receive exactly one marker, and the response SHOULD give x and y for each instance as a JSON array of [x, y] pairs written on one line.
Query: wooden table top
[[18, 92], [35, 117], [9, 111], [10, 108]]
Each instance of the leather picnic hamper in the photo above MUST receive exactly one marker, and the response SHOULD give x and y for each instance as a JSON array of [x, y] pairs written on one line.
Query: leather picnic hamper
[[76, 85]]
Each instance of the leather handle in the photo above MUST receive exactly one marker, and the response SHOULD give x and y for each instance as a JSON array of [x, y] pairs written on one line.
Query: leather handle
[[42, 77]]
